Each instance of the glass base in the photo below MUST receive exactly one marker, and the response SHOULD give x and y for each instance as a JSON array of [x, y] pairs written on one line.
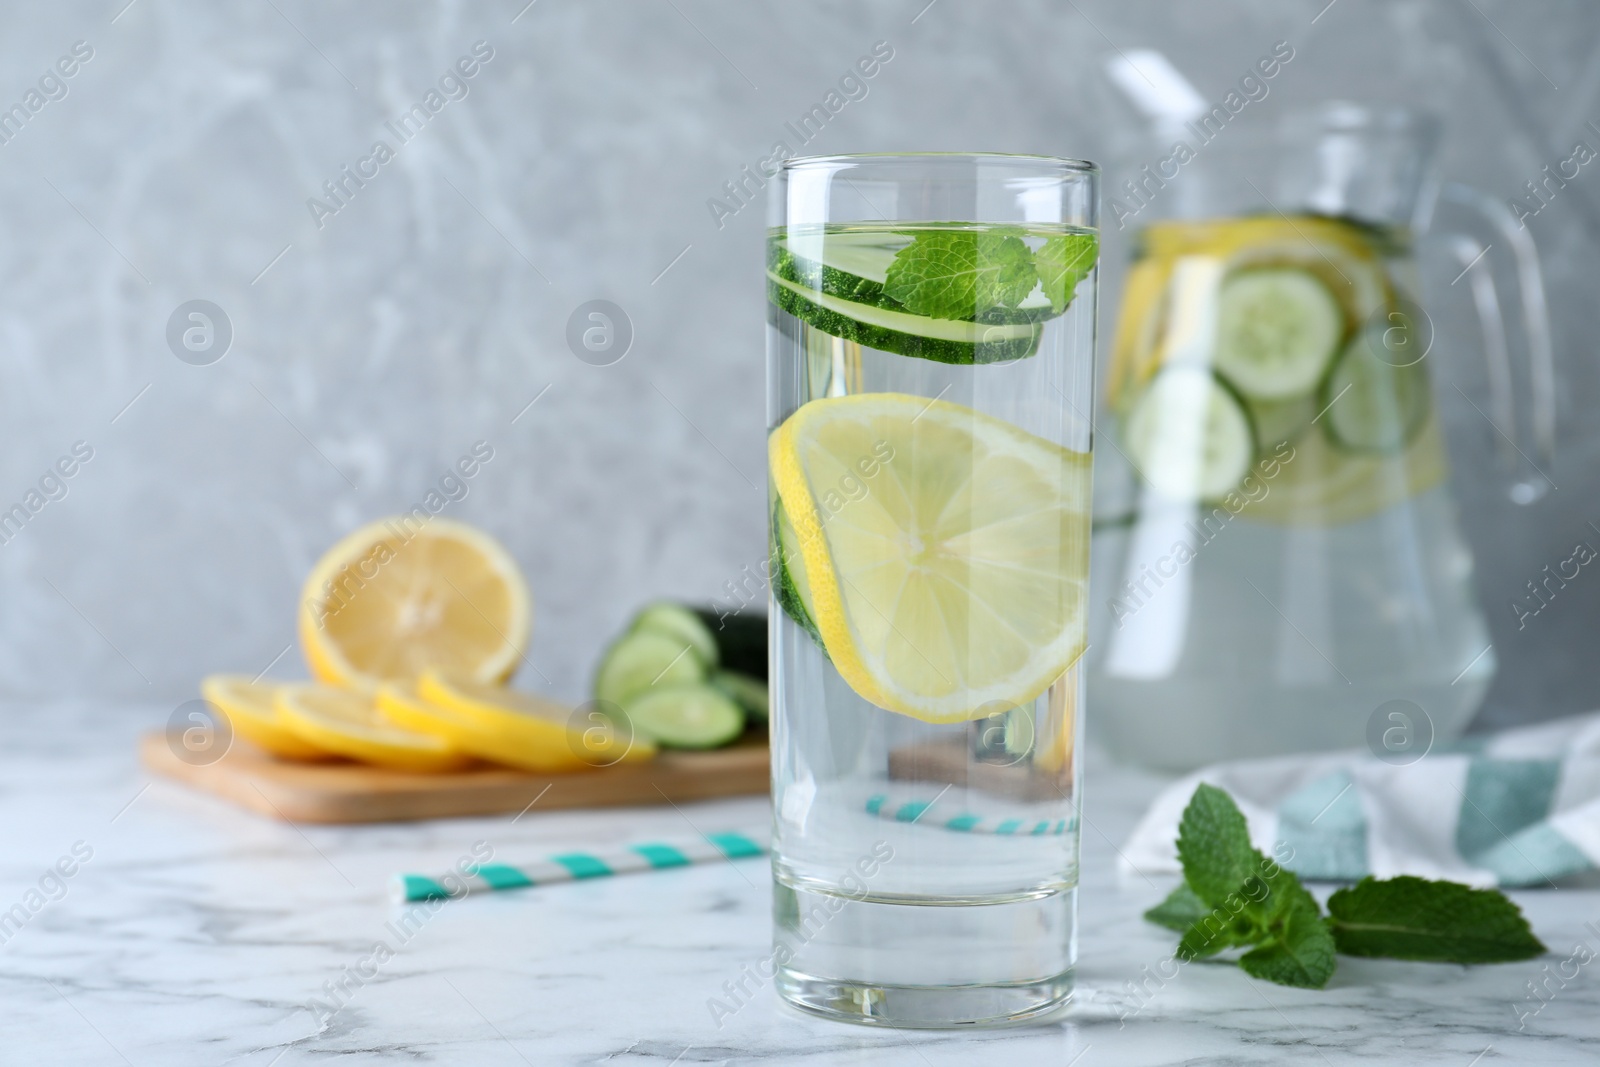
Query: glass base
[[925, 1007], [925, 962]]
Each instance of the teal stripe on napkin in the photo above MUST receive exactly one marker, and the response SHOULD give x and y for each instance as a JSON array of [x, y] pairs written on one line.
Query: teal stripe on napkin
[[1501, 798], [1322, 822], [1533, 857]]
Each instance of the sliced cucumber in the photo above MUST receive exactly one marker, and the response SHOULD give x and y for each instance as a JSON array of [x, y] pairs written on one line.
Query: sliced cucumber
[[1189, 435], [686, 715], [905, 334], [1371, 405], [789, 586], [854, 266], [747, 692], [741, 639], [1277, 329], [675, 620], [1280, 421], [641, 660]]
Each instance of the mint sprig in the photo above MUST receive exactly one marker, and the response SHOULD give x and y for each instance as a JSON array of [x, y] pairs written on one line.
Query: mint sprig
[[1062, 262], [960, 274], [1232, 896]]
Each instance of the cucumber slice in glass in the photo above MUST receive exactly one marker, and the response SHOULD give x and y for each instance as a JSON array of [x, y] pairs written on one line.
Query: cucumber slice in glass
[[1189, 435], [789, 586], [1373, 406], [643, 659], [901, 332], [747, 692], [675, 620], [1277, 329], [686, 715]]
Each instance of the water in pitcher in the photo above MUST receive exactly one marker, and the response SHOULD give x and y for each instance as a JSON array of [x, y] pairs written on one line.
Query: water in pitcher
[[930, 482], [1277, 556]]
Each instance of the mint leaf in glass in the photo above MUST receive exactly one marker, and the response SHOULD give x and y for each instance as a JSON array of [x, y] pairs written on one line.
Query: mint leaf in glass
[[960, 274], [1062, 262], [1410, 918]]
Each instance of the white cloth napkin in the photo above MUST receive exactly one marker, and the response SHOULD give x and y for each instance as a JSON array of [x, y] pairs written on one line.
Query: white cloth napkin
[[1519, 808]]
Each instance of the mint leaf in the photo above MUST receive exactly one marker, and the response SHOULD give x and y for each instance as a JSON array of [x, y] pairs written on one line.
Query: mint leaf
[[1181, 910], [1410, 918], [1216, 931], [1214, 846], [1302, 952], [960, 274], [1062, 262]]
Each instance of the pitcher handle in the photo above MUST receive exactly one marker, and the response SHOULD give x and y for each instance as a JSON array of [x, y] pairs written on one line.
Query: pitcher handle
[[1527, 446]]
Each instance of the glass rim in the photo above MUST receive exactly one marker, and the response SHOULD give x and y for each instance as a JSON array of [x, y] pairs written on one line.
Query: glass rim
[[1058, 163]]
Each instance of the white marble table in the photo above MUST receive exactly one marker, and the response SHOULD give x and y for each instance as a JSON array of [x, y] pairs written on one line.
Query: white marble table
[[200, 934]]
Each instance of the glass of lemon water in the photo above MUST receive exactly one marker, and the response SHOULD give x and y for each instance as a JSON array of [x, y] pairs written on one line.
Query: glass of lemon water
[[930, 361]]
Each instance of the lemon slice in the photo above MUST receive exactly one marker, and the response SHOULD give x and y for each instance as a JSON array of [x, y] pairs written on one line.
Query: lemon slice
[[959, 577], [345, 722], [534, 728], [398, 596], [248, 707]]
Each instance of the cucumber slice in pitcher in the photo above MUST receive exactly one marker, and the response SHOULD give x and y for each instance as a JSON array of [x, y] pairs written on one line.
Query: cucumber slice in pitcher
[[1189, 435], [1281, 421], [1372, 406], [640, 660], [1277, 330], [686, 715]]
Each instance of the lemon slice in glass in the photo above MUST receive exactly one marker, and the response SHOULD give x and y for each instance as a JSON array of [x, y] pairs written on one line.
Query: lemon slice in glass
[[344, 722], [945, 551], [401, 595]]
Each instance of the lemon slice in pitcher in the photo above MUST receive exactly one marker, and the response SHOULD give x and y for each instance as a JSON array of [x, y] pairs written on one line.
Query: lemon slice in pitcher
[[945, 551]]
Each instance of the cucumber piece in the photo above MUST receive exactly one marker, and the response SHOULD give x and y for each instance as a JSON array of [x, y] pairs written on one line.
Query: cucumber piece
[[677, 621], [1277, 329], [1279, 421], [854, 266], [741, 639], [1373, 406], [1189, 435], [905, 334], [685, 715], [641, 660], [749, 693], [789, 587]]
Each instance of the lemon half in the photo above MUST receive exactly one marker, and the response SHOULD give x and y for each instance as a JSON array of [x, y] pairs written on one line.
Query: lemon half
[[401, 595]]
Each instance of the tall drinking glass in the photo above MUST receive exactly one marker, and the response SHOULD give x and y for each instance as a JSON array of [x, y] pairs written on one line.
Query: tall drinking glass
[[930, 362]]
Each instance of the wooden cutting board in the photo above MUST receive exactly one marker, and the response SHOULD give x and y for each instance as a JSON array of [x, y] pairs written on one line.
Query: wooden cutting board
[[353, 792]]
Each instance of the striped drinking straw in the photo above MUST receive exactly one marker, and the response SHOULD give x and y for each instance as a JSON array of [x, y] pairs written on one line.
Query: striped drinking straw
[[571, 866]]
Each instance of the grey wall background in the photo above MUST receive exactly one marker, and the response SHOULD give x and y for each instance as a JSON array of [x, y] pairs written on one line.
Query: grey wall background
[[427, 313]]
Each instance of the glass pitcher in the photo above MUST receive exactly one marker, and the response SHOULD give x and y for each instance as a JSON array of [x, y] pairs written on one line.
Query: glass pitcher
[[1277, 561]]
